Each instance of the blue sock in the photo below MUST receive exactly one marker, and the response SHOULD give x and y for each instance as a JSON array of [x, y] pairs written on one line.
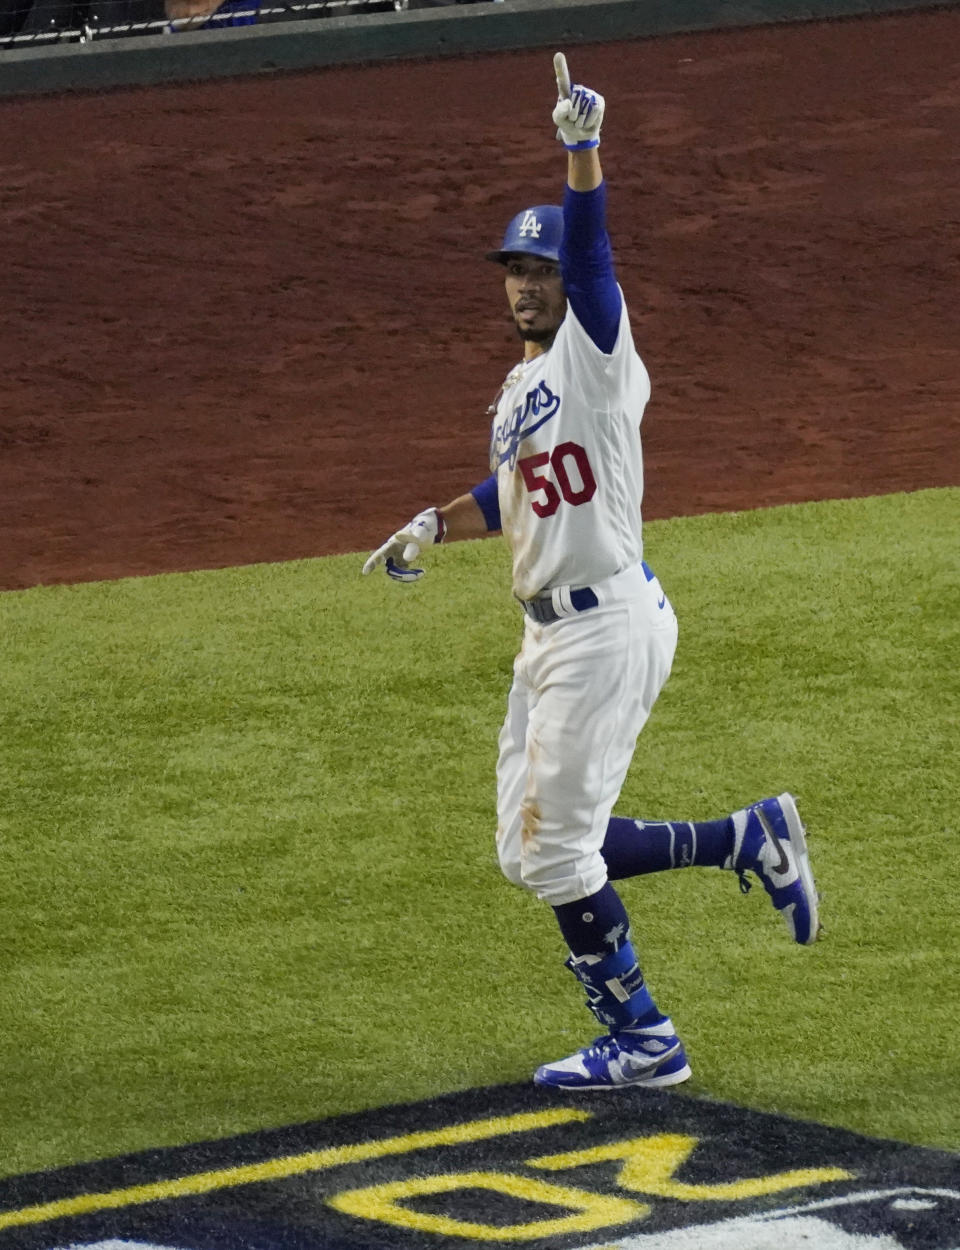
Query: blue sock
[[632, 848], [599, 926]]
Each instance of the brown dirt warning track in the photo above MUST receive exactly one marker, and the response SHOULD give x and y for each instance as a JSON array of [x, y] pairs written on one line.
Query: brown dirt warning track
[[249, 320]]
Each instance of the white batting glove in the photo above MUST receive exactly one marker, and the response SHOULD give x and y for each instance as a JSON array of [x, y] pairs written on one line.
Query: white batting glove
[[579, 110], [396, 553], [578, 118]]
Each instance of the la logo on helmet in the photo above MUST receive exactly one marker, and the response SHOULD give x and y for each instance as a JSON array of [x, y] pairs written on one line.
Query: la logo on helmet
[[530, 226]]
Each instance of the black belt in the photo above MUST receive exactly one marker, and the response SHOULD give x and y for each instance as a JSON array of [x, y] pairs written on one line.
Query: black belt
[[544, 613]]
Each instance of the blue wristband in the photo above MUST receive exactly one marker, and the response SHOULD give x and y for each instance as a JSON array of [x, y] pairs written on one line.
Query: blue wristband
[[584, 143]]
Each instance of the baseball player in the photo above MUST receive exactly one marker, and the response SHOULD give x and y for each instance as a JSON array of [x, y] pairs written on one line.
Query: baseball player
[[599, 631]]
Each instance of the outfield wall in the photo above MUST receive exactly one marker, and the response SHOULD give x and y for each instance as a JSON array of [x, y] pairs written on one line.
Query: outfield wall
[[445, 31]]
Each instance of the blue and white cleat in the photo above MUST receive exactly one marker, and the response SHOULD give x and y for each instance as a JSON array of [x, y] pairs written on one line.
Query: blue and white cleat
[[769, 841], [653, 1057]]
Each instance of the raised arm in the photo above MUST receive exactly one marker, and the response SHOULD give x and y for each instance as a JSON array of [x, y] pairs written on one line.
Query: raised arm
[[583, 169], [586, 260]]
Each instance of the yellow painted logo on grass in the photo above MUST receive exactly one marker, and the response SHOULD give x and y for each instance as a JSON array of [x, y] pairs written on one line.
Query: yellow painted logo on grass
[[506, 1166]]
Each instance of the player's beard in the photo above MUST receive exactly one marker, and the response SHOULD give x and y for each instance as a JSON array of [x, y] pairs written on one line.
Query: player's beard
[[537, 336]]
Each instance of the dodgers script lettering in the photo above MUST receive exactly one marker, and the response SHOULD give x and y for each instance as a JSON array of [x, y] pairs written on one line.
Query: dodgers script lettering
[[539, 406]]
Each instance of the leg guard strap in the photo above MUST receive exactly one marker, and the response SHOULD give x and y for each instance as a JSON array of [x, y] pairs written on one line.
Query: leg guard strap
[[616, 993]]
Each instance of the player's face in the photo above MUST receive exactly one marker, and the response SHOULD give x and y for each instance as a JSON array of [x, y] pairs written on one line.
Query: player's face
[[536, 296]]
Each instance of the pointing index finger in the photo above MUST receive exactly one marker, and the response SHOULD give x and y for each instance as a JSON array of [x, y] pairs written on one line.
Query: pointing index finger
[[563, 75]]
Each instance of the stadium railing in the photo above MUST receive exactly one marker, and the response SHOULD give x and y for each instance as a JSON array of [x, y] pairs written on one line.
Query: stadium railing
[[38, 23]]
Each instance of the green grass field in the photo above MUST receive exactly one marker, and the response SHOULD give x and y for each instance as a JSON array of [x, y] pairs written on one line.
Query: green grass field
[[246, 832]]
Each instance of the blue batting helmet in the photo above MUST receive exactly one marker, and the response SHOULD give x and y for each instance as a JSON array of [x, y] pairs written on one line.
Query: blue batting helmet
[[536, 231]]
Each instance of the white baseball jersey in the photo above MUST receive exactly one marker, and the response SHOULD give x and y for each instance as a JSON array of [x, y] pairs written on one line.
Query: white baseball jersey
[[566, 450]]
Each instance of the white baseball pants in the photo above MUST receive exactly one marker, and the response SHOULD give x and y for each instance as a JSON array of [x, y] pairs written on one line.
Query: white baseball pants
[[582, 690]]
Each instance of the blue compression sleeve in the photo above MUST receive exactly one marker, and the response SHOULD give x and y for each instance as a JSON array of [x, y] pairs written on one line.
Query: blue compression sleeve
[[489, 501], [586, 262]]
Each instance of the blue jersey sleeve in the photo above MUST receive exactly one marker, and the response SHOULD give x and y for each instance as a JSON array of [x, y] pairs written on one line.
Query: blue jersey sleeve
[[488, 500], [586, 263]]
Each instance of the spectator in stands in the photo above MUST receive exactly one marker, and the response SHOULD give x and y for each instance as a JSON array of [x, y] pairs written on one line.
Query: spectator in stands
[[209, 14]]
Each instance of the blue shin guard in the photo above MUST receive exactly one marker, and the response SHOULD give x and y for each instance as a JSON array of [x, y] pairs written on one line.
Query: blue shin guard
[[616, 992]]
